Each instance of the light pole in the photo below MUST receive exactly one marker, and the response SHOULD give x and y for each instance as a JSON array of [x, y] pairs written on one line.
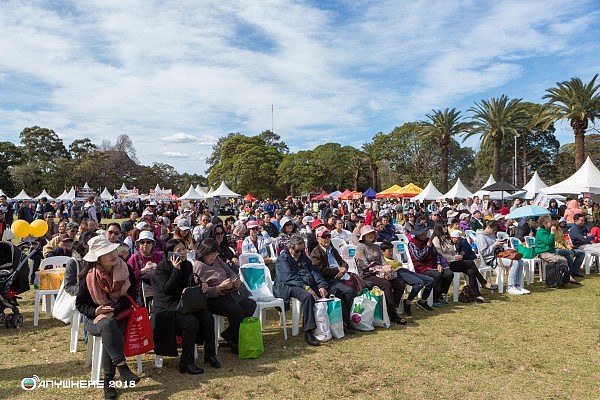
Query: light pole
[[515, 166]]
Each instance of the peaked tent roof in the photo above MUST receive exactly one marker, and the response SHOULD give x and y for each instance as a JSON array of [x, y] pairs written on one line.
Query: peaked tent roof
[[191, 194], [200, 191], [85, 186], [429, 193], [344, 195], [389, 192], [22, 196], [534, 186], [123, 187], [70, 195], [105, 195], [370, 193], [458, 191], [409, 190], [157, 187], [320, 196], [481, 192], [249, 198], [62, 195], [335, 195], [44, 194], [224, 191], [585, 180]]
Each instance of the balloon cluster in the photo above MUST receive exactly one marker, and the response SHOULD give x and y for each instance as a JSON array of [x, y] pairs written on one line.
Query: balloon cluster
[[22, 229]]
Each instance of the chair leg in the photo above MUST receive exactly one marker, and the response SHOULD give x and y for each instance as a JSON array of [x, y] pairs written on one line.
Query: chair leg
[[455, 285], [500, 279], [75, 321], [96, 358], [36, 309], [140, 368], [158, 361], [295, 316]]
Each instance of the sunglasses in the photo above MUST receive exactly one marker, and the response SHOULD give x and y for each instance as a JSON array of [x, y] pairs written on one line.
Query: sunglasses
[[113, 232], [296, 251], [146, 242], [326, 236]]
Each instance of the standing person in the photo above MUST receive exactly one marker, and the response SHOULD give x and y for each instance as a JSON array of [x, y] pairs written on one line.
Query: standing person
[[227, 296], [6, 214], [143, 262], [90, 210], [24, 212], [488, 245], [103, 285]]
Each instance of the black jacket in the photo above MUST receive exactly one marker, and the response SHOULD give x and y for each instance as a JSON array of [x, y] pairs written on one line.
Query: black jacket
[[321, 262]]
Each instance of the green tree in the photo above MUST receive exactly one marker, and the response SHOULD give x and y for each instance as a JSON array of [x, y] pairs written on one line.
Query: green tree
[[579, 103], [10, 156], [80, 147], [371, 159], [564, 164], [217, 150], [442, 126], [273, 139], [42, 144], [493, 120]]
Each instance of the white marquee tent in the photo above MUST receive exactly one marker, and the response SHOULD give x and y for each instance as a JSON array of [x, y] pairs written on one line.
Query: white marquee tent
[[223, 191], [105, 195], [22, 196], [191, 194], [46, 195], [458, 191], [585, 180], [429, 193]]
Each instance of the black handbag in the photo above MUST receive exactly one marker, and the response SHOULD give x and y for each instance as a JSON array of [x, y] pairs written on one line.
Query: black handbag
[[192, 299]]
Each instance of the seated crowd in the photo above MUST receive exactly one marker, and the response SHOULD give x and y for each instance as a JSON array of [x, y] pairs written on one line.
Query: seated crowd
[[151, 259]]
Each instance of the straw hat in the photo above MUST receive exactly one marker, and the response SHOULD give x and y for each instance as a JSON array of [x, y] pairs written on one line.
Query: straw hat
[[99, 246]]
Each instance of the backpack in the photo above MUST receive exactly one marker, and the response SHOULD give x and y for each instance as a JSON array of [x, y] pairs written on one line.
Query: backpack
[[557, 275]]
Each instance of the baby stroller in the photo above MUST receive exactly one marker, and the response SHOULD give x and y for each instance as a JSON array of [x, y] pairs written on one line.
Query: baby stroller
[[14, 271]]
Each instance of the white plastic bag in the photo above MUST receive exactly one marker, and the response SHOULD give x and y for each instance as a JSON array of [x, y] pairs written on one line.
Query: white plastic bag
[[336, 323], [322, 331], [362, 313], [380, 316], [64, 305]]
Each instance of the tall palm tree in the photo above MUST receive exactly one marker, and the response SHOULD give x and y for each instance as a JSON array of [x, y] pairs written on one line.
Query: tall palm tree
[[442, 126], [579, 103], [370, 158], [493, 119], [355, 165]]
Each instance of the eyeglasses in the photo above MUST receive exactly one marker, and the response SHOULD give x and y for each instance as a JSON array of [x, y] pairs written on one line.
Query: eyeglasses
[[113, 232], [146, 242], [206, 220], [296, 251]]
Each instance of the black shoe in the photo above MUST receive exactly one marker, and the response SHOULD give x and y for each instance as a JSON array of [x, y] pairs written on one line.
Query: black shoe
[[574, 282], [190, 369], [423, 304], [311, 339], [481, 300], [125, 374], [212, 360], [110, 393], [349, 329], [398, 320], [493, 287]]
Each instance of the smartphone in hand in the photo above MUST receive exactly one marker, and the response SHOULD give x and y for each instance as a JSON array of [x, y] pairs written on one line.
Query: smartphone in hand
[[171, 254]]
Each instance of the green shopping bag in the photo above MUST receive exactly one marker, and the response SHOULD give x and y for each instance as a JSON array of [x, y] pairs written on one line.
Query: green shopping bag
[[250, 343]]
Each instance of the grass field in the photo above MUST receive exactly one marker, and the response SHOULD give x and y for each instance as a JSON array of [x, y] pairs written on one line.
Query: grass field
[[542, 346]]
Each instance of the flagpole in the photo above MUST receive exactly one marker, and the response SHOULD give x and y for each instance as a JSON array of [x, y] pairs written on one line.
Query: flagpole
[[272, 117]]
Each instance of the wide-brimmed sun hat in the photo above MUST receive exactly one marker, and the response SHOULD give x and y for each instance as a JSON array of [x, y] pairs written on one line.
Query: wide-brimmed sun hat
[[419, 229], [99, 246], [365, 230], [146, 235]]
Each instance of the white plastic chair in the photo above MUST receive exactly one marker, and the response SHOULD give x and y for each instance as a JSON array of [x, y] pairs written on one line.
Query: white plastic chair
[[402, 254], [402, 237], [338, 243], [589, 260], [75, 321], [261, 303], [348, 252], [47, 296], [94, 351], [530, 242], [251, 258]]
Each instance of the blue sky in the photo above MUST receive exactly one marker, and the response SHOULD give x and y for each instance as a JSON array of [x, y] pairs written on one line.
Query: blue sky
[[177, 75]]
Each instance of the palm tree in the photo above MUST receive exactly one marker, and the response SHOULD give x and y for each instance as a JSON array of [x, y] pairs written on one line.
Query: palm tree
[[442, 125], [579, 103], [355, 165], [370, 158], [493, 119]]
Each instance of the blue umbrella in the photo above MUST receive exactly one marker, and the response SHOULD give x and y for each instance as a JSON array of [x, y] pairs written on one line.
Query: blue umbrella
[[527, 211]]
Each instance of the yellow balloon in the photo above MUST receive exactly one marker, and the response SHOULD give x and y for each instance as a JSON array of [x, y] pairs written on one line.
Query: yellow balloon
[[38, 228], [20, 228]]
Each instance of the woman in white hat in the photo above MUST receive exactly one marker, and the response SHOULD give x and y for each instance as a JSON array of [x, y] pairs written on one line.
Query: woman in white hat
[[144, 261], [104, 283]]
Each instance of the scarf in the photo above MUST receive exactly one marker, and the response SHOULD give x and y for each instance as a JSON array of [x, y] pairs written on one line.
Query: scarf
[[107, 287]]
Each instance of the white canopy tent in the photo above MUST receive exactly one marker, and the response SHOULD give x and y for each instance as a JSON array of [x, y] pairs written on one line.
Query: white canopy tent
[[157, 187], [429, 193], [585, 180], [482, 193], [71, 195], [224, 191], [61, 196], [123, 187], [210, 192], [22, 196], [458, 191], [44, 194], [191, 194], [105, 195], [200, 191], [531, 188]]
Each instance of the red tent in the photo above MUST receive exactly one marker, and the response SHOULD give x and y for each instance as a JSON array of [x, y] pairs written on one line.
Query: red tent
[[346, 195], [320, 196], [249, 198]]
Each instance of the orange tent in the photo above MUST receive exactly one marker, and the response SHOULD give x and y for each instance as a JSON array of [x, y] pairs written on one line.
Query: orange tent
[[410, 190], [249, 198]]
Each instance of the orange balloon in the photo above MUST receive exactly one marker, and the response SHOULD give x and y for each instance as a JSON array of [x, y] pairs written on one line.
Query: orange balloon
[[38, 228], [20, 228]]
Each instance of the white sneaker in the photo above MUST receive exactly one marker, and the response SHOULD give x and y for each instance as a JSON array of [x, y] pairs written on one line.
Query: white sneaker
[[524, 291], [514, 290]]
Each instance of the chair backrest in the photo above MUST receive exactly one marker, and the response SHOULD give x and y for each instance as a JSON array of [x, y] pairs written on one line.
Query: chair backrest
[[338, 243], [513, 242], [502, 235], [271, 250], [55, 262], [529, 241], [377, 243], [251, 258], [402, 255], [266, 279], [470, 234], [402, 237], [347, 251]]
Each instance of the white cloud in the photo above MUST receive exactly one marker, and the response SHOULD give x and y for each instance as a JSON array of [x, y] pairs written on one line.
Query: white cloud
[[176, 74]]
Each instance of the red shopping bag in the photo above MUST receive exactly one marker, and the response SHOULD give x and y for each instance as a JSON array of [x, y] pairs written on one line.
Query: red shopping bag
[[138, 335]]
